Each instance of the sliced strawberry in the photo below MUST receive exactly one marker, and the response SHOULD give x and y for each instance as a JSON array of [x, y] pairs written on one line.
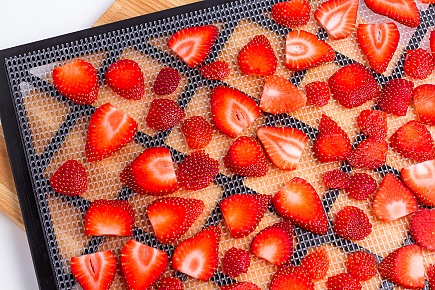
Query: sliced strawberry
[[243, 212], [343, 281], [424, 103], [361, 265], [369, 154], [393, 200], [193, 44], [241, 286], [171, 217], [422, 228], [373, 124], [274, 243], [335, 178], [402, 11], [77, 80], [198, 255], [152, 172], [361, 186], [395, 97], [338, 17], [303, 50], [142, 265], [316, 263], [94, 271], [70, 178], [291, 278], [257, 57], [109, 130], [352, 223], [218, 70], [418, 63], [167, 81], [293, 13], [404, 267], [430, 272], [197, 132], [413, 140], [281, 96], [299, 202], [427, 1], [379, 42], [164, 114], [125, 77], [420, 178], [283, 145], [197, 170], [109, 218], [318, 93], [353, 85], [235, 262], [232, 111], [170, 283]]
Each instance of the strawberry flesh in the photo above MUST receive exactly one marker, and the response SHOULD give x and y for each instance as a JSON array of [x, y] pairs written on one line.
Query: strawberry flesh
[[70, 178], [197, 171], [420, 178], [257, 57], [293, 13], [422, 228], [125, 77], [402, 11], [167, 81], [164, 114], [423, 98]]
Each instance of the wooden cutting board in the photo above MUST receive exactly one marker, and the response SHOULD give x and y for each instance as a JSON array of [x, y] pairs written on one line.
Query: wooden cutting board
[[120, 10]]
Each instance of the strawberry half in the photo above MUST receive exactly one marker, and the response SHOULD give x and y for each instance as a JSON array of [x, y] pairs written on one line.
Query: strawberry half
[[318, 93], [232, 111], [361, 265], [109, 130], [197, 132], [164, 114], [274, 243], [316, 263], [171, 217], [235, 262], [299, 202], [418, 63], [193, 44], [218, 70], [352, 223], [77, 80], [197, 171], [395, 97], [109, 218], [281, 96], [338, 17], [70, 178], [343, 281], [152, 172], [361, 186], [369, 154], [142, 265], [243, 212], [420, 178], [291, 278], [304, 50], [257, 57], [423, 97], [170, 283], [335, 178], [393, 200], [125, 77], [402, 11], [373, 124], [94, 271], [240, 286], [293, 13], [198, 255], [167, 81], [283, 145], [422, 228]]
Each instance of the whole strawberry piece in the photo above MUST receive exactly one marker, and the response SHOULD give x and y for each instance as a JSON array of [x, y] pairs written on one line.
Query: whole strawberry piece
[[126, 78], [361, 265], [218, 70], [419, 63], [395, 97], [70, 178], [318, 93], [293, 13], [423, 97], [373, 124], [77, 80], [402, 11], [197, 132], [316, 263], [197, 170], [352, 223], [240, 286], [361, 186], [170, 283], [257, 57], [422, 228], [164, 114], [235, 262], [335, 178], [420, 178], [291, 278], [369, 154], [343, 281], [167, 81]]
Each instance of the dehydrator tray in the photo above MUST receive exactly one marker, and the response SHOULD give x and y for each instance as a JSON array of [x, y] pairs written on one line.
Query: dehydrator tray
[[43, 129]]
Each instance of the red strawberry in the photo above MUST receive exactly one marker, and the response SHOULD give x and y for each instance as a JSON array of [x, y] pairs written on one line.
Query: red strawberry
[[70, 178], [77, 80], [281, 96], [424, 103], [241, 286], [126, 78], [332, 143], [379, 43], [303, 50], [283, 145], [343, 281], [246, 157], [293, 13], [299, 202], [142, 265], [193, 44], [232, 111], [243, 212], [430, 272], [164, 114], [432, 42], [197, 170], [352, 223], [94, 271], [167, 81], [361, 186], [404, 267], [373, 124], [109, 130], [170, 283], [422, 228], [402, 11], [418, 63], [109, 218], [338, 17], [291, 278], [197, 131], [316, 263], [171, 217], [427, 1], [274, 243], [198, 255], [152, 172], [393, 200], [318, 93], [369, 154], [361, 265], [395, 97], [353, 85], [257, 57], [335, 178], [413, 140], [235, 262], [218, 70], [420, 178]]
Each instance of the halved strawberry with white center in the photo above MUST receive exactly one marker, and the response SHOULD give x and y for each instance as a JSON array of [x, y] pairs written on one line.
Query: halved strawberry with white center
[[94, 271], [141, 264], [232, 111], [283, 145], [257, 57], [403, 11], [304, 50], [198, 255], [70, 178], [193, 44], [420, 178]]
